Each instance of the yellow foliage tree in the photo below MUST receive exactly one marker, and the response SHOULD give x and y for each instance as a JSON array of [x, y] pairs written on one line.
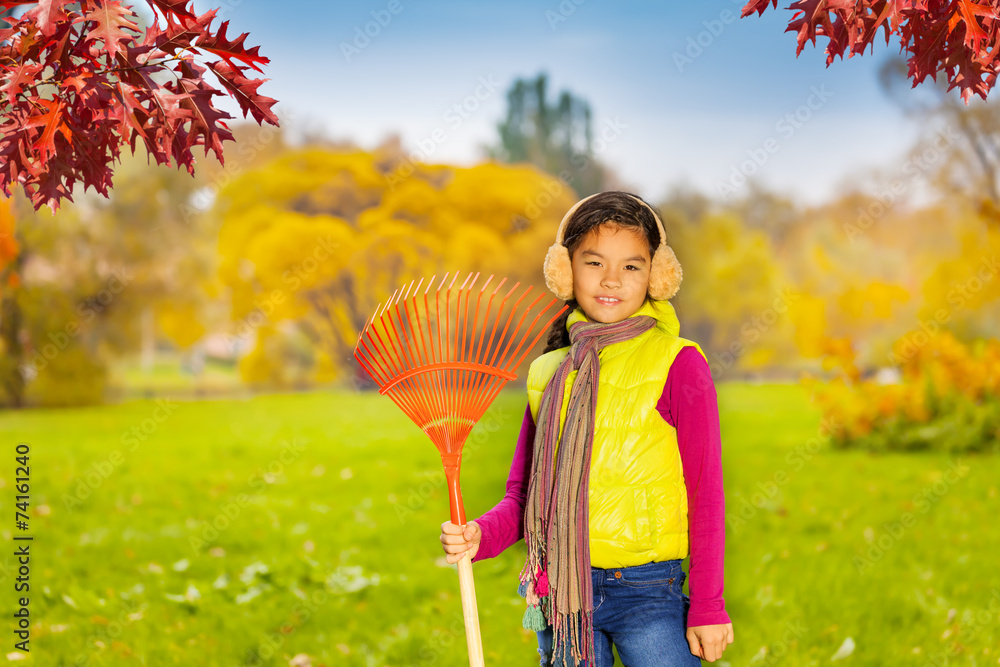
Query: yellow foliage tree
[[318, 237], [963, 290], [734, 299]]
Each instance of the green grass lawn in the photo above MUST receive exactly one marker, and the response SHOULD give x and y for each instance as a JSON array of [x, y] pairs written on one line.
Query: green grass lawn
[[326, 511]]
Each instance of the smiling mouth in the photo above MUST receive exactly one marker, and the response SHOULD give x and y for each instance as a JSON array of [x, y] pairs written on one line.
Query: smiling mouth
[[606, 301]]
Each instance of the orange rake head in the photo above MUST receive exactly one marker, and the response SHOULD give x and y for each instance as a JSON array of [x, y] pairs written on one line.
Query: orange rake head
[[443, 368]]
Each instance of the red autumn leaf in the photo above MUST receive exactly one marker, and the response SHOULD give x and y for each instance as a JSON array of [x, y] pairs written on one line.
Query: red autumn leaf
[[968, 12], [24, 75], [245, 92], [171, 136], [78, 80], [757, 6], [110, 17], [958, 38], [46, 14], [51, 122], [206, 120], [177, 8], [180, 33], [227, 50], [131, 111]]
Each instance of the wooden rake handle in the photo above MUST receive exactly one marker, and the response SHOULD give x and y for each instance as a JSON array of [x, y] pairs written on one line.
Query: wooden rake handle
[[470, 611]]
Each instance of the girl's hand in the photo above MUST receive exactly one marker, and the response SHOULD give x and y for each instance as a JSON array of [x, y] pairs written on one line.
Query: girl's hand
[[456, 542], [709, 641]]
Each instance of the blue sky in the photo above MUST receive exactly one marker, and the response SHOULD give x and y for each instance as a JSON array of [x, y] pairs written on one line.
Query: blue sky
[[692, 121]]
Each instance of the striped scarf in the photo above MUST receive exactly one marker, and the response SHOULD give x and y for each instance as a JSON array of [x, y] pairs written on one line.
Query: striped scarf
[[555, 579]]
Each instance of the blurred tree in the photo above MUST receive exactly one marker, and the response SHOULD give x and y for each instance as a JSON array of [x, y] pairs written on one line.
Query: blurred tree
[[314, 239], [739, 286], [53, 314], [171, 258], [684, 203], [962, 292], [853, 289], [959, 146], [557, 137], [11, 348], [110, 277], [733, 299], [958, 154], [768, 211]]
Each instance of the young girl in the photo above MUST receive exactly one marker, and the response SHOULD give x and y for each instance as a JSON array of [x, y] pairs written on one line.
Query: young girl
[[623, 470]]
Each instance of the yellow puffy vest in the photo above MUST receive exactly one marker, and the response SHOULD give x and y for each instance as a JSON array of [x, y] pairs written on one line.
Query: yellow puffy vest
[[638, 501]]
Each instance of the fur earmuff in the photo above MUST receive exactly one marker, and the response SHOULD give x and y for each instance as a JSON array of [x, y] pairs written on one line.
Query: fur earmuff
[[665, 274], [558, 270]]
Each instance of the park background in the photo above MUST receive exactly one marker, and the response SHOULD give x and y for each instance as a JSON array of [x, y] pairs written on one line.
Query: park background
[[214, 482]]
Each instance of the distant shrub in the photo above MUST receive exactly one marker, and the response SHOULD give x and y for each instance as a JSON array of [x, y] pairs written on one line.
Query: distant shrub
[[72, 378], [948, 399]]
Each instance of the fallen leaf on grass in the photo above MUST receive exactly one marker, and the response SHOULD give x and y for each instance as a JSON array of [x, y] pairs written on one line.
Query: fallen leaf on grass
[[250, 594], [252, 570], [190, 595], [846, 649]]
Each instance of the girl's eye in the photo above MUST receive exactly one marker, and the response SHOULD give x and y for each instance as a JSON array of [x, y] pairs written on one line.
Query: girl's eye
[[628, 266]]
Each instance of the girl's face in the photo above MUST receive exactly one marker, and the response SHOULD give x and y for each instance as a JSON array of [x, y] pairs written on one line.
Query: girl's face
[[611, 273]]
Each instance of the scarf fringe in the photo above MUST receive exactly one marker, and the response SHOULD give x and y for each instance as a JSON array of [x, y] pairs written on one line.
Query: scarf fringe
[[575, 631]]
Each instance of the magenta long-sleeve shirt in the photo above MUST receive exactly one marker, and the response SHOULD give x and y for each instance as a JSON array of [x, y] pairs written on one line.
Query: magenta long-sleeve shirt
[[690, 405]]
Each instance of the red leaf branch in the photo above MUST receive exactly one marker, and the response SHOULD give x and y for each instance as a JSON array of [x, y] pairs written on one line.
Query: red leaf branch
[[955, 37], [81, 79]]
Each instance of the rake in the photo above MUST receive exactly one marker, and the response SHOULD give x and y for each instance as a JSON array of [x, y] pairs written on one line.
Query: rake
[[428, 360]]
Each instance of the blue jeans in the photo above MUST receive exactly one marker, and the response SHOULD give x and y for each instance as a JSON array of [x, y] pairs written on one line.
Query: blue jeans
[[642, 611]]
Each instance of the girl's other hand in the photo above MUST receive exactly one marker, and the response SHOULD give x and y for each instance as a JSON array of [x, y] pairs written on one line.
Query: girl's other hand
[[709, 641], [457, 541]]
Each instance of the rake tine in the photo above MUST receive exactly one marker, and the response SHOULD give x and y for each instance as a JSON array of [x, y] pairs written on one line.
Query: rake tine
[[510, 316], [479, 378], [518, 334]]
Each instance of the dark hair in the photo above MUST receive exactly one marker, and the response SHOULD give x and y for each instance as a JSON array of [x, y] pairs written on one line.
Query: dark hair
[[617, 209]]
